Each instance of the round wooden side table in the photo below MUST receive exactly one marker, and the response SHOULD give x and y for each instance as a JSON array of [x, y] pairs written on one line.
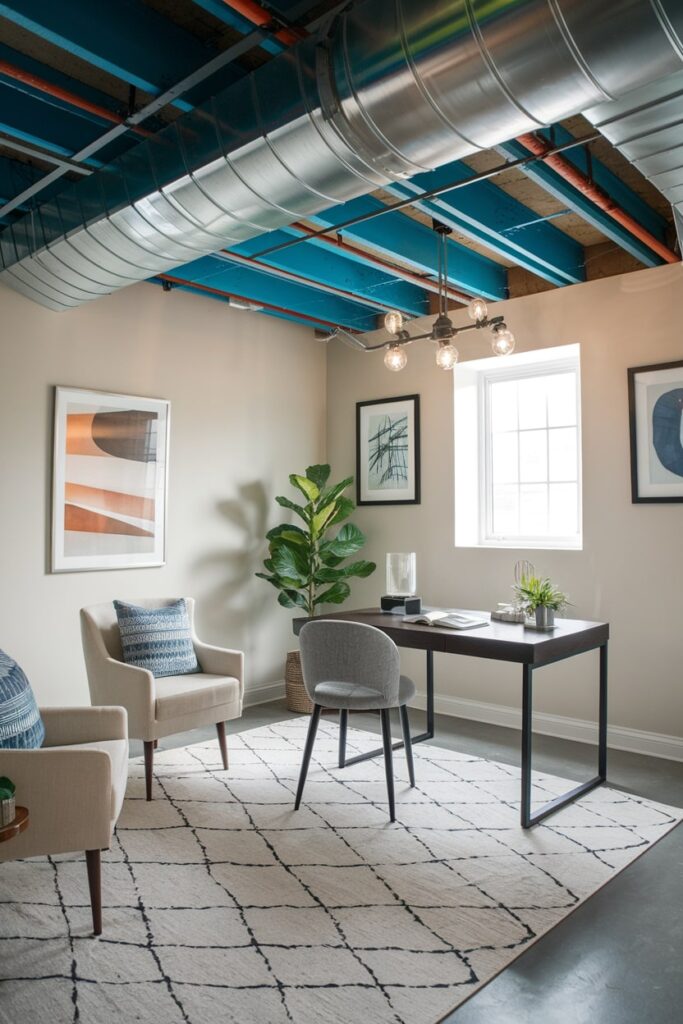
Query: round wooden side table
[[15, 827]]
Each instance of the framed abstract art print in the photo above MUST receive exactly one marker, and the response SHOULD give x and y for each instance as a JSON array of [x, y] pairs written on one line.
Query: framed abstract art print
[[109, 481], [655, 402], [388, 451]]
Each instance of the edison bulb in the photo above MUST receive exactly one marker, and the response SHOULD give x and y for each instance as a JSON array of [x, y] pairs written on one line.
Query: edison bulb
[[395, 357], [503, 342], [446, 356], [477, 310], [393, 322]]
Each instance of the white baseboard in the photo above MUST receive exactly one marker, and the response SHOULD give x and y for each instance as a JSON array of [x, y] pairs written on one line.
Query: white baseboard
[[262, 694], [619, 737]]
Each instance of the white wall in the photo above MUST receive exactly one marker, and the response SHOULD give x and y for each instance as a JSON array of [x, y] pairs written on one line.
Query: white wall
[[630, 571], [247, 396]]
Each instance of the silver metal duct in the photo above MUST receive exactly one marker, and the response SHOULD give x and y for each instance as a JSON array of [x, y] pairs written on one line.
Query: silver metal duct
[[389, 89], [646, 125]]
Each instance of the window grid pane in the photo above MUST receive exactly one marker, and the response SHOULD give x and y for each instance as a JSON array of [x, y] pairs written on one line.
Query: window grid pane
[[532, 453]]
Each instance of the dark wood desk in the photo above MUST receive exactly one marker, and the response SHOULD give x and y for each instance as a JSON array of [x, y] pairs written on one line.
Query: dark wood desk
[[502, 641]]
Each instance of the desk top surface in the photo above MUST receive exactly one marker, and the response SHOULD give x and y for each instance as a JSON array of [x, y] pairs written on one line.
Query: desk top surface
[[501, 641]]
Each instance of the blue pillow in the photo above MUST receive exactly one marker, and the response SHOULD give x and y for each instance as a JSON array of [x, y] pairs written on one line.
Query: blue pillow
[[21, 727], [158, 639]]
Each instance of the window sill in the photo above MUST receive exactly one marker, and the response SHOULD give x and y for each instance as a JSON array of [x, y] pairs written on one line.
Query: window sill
[[524, 545]]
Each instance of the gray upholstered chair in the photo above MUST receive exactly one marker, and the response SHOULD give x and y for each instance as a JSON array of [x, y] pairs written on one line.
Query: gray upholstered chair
[[353, 667], [73, 787], [171, 704]]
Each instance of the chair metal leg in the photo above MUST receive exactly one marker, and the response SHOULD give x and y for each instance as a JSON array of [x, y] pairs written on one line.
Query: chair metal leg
[[388, 761], [308, 750], [343, 726], [222, 743], [405, 727], [149, 764], [93, 861]]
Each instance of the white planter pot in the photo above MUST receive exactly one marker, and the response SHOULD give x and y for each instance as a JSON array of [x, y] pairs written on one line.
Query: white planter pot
[[8, 811]]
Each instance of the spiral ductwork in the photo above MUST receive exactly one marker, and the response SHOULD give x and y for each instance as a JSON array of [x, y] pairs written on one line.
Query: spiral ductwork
[[387, 90]]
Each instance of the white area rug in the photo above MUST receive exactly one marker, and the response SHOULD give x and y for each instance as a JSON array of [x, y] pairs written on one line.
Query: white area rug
[[224, 905]]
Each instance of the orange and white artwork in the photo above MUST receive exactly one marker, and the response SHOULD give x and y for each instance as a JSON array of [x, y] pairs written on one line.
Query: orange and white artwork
[[109, 490]]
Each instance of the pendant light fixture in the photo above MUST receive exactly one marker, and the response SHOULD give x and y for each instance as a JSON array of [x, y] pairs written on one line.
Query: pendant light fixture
[[443, 330]]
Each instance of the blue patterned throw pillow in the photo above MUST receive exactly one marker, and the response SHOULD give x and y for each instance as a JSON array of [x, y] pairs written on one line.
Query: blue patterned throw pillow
[[21, 727], [158, 639]]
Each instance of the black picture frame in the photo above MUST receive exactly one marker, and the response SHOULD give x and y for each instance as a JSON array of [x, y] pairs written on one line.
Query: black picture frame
[[365, 494], [640, 435]]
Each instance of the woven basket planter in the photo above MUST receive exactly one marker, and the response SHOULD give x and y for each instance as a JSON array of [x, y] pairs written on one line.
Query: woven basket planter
[[295, 691]]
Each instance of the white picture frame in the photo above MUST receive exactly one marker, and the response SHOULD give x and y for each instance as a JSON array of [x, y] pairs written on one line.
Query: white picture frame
[[109, 481]]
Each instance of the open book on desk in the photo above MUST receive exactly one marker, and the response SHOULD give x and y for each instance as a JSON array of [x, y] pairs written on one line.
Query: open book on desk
[[450, 618]]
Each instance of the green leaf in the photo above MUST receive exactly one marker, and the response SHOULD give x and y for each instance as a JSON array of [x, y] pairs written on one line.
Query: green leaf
[[306, 486], [318, 475], [321, 518], [290, 563], [335, 492], [286, 503], [335, 595], [329, 575], [349, 540], [7, 788], [291, 599], [270, 579], [344, 509], [291, 534], [327, 557]]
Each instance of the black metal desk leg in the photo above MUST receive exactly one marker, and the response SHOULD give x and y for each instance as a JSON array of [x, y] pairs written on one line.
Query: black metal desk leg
[[529, 819], [430, 695], [527, 730], [602, 719]]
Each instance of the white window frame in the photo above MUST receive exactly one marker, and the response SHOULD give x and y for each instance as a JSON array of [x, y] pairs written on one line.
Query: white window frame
[[548, 362]]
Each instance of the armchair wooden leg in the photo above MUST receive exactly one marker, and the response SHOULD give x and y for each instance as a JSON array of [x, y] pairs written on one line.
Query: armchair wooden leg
[[388, 760], [222, 743], [308, 750], [92, 858], [149, 764]]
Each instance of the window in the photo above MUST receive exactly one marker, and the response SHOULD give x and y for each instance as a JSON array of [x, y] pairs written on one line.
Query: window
[[519, 484]]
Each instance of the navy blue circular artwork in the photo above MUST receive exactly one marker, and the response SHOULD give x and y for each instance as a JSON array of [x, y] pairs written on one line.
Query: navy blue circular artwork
[[666, 430]]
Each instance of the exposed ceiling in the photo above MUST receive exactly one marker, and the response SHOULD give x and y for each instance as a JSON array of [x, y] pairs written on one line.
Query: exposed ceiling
[[69, 73]]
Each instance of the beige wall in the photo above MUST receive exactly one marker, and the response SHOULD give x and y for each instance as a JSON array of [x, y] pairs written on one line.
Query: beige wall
[[630, 571], [247, 397]]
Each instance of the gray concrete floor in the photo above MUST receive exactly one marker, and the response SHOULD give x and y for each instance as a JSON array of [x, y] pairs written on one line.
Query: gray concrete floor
[[618, 959]]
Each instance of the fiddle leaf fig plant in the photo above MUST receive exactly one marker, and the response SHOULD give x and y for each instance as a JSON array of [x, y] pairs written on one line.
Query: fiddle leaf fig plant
[[304, 563]]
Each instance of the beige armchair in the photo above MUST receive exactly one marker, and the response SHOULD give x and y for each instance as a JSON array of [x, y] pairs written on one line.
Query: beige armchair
[[73, 787], [171, 704]]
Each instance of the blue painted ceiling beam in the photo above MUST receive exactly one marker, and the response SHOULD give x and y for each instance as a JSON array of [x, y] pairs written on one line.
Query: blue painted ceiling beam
[[330, 267], [574, 200], [397, 236], [261, 287], [236, 21], [22, 117], [489, 216], [127, 39]]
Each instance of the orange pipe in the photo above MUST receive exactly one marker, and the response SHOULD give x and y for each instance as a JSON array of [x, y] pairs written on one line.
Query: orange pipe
[[259, 16], [391, 268], [596, 195], [19, 75], [241, 298]]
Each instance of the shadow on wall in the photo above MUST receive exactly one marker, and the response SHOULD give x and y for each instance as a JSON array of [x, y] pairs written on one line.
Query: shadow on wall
[[237, 599]]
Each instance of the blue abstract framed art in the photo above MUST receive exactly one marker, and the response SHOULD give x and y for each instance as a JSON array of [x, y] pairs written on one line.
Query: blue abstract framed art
[[388, 451], [655, 400]]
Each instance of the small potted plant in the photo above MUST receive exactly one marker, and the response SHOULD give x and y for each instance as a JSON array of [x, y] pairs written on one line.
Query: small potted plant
[[538, 597], [305, 563], [8, 811]]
